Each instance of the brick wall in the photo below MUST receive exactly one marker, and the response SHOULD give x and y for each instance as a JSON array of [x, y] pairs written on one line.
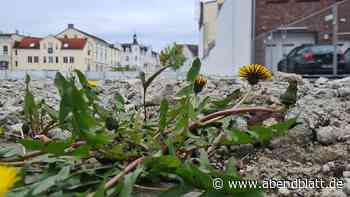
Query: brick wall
[[271, 14]]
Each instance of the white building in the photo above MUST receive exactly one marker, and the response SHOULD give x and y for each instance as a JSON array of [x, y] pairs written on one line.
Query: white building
[[225, 35], [7, 41], [140, 56]]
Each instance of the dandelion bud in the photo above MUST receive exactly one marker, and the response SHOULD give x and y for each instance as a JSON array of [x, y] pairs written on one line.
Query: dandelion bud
[[199, 84]]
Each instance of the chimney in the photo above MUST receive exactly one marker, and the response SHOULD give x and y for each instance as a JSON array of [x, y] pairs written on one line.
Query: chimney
[[70, 26]]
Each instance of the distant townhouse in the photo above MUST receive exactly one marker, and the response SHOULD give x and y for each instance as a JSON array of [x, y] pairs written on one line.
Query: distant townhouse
[[51, 53], [140, 56], [7, 42]]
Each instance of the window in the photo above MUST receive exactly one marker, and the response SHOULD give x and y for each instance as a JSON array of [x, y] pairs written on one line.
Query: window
[[5, 50], [57, 60], [135, 58], [50, 48], [127, 58], [71, 60], [45, 60], [36, 59], [65, 60], [16, 64], [89, 52], [16, 52], [50, 60], [30, 59]]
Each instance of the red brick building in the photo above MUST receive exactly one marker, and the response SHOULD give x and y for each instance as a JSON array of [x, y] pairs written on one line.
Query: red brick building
[[281, 25]]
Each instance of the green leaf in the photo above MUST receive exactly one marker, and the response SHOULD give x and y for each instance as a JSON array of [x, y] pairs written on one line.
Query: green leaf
[[261, 134], [164, 107], [32, 144], [237, 136], [57, 148], [221, 104], [177, 191], [187, 90], [46, 184], [82, 151], [129, 182], [281, 127], [194, 71], [162, 164], [231, 169]]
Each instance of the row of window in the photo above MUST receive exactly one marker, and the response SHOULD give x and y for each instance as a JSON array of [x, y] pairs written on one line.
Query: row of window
[[50, 60], [5, 50]]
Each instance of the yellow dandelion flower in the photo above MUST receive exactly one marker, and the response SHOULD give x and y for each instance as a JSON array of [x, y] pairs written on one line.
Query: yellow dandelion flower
[[199, 84], [253, 73], [92, 84], [8, 177]]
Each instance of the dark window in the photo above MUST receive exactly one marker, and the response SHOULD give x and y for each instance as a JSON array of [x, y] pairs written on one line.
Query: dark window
[[57, 60], [36, 59], [50, 48], [16, 52], [30, 59], [50, 60], [65, 60], [45, 60], [6, 50], [16, 64], [71, 60]]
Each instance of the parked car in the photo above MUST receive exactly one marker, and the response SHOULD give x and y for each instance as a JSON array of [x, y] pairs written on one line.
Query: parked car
[[313, 60], [347, 57]]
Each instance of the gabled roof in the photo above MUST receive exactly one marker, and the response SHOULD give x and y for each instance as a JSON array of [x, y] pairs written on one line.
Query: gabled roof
[[73, 43], [194, 49], [28, 43], [70, 26], [34, 43], [191, 47]]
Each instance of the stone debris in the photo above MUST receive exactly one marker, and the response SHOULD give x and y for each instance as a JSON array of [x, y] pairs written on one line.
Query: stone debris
[[318, 148]]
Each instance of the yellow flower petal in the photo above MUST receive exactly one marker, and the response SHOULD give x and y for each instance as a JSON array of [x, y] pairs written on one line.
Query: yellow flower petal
[[8, 177]]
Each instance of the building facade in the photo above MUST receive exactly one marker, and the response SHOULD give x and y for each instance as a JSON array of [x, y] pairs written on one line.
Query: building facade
[[139, 56], [7, 41], [103, 56], [264, 31], [51, 53], [225, 36]]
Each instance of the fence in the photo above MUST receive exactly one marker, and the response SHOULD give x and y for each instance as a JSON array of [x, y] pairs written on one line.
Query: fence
[[42, 74]]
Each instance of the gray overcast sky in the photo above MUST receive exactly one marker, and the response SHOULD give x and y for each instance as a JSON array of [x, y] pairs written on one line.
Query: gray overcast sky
[[157, 22]]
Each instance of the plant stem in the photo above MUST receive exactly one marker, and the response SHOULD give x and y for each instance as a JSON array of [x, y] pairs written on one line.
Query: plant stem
[[25, 157], [144, 103], [229, 112], [129, 168]]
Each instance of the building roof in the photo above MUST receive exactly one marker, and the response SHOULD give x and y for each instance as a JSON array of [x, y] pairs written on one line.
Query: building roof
[[34, 43], [71, 26], [28, 43], [191, 47], [73, 43]]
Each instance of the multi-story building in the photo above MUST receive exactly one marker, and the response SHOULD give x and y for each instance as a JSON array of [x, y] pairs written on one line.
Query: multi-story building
[[234, 33], [7, 42], [140, 56], [103, 55], [51, 53]]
